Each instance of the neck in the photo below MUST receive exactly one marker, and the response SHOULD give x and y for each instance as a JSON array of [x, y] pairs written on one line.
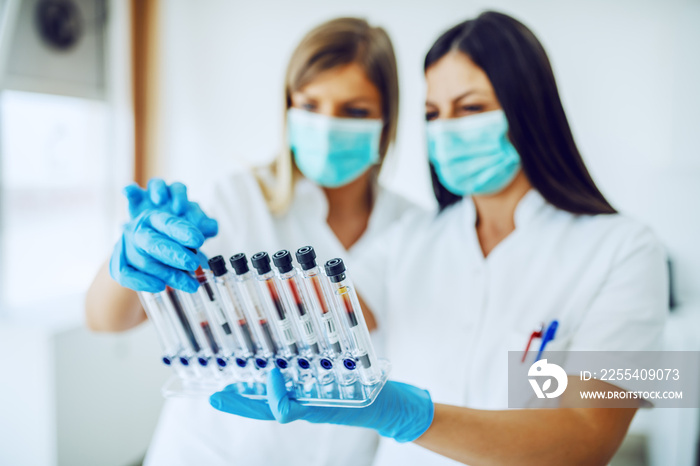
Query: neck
[[351, 199], [496, 213]]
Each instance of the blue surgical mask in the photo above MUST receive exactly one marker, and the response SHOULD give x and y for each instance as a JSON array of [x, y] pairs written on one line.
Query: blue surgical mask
[[332, 151], [472, 155]]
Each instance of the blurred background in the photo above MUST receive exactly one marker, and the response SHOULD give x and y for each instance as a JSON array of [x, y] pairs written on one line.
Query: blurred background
[[97, 93]]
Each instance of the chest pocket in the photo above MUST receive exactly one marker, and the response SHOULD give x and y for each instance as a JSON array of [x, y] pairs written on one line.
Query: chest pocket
[[518, 339]]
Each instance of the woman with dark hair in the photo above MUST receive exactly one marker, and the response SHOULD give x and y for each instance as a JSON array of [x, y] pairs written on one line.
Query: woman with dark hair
[[523, 239]]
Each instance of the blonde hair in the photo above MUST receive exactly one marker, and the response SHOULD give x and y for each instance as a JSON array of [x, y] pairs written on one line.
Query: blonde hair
[[335, 43]]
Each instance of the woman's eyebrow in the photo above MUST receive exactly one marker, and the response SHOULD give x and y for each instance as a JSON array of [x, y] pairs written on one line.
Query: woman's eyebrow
[[463, 95], [455, 99], [304, 97], [360, 99]]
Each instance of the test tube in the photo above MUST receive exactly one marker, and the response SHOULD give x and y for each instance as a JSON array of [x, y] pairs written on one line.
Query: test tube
[[270, 294], [349, 306], [183, 327], [232, 305], [267, 340], [193, 306], [220, 330], [318, 290], [295, 299], [292, 346], [169, 339]]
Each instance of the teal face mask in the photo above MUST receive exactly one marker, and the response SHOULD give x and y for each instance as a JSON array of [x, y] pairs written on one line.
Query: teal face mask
[[332, 151], [472, 155]]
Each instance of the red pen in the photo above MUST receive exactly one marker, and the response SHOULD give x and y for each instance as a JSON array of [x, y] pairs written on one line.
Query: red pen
[[533, 335]]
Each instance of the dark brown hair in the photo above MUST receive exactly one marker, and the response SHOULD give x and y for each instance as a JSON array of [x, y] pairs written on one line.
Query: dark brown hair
[[519, 70]]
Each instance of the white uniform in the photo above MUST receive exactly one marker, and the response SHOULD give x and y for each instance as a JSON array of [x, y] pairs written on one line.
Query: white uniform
[[190, 431], [453, 315]]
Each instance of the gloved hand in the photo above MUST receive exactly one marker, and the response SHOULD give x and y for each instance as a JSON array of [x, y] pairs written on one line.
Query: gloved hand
[[402, 412], [153, 252], [158, 195]]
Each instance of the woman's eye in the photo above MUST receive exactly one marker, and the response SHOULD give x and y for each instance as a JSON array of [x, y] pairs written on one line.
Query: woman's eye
[[472, 108], [308, 107], [431, 115], [357, 112]]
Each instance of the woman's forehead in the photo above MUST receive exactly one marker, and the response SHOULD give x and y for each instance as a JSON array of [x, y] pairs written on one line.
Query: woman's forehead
[[344, 82], [454, 75]]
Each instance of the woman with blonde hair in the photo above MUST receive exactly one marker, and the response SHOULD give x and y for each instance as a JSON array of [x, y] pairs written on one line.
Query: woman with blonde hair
[[341, 91]]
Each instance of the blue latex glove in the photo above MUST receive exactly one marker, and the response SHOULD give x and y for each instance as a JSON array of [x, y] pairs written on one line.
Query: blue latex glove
[[158, 195], [402, 412], [153, 252]]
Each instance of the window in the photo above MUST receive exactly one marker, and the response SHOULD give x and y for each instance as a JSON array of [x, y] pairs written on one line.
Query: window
[[54, 195]]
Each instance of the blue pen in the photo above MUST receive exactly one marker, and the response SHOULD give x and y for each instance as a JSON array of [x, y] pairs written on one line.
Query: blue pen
[[548, 336]]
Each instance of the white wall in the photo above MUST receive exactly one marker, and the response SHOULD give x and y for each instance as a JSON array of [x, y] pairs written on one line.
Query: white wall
[[627, 71], [69, 396]]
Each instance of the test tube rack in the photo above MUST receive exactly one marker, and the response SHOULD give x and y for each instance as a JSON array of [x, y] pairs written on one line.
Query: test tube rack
[[240, 323]]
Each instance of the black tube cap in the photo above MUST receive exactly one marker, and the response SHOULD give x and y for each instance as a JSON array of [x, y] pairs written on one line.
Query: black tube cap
[[306, 257], [217, 265], [283, 261], [239, 263], [261, 262], [335, 270]]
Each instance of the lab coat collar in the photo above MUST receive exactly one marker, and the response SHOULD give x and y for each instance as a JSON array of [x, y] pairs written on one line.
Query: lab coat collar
[[528, 207], [526, 210], [311, 198]]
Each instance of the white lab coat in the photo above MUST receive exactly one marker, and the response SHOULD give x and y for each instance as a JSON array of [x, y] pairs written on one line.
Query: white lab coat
[[452, 316], [190, 431]]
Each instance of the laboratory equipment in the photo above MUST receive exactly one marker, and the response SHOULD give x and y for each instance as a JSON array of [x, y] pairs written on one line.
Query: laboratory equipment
[[349, 306], [233, 322], [270, 294], [300, 378], [318, 291], [292, 292], [306, 314], [191, 346], [230, 336], [170, 343], [239, 324], [335, 341], [266, 341]]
